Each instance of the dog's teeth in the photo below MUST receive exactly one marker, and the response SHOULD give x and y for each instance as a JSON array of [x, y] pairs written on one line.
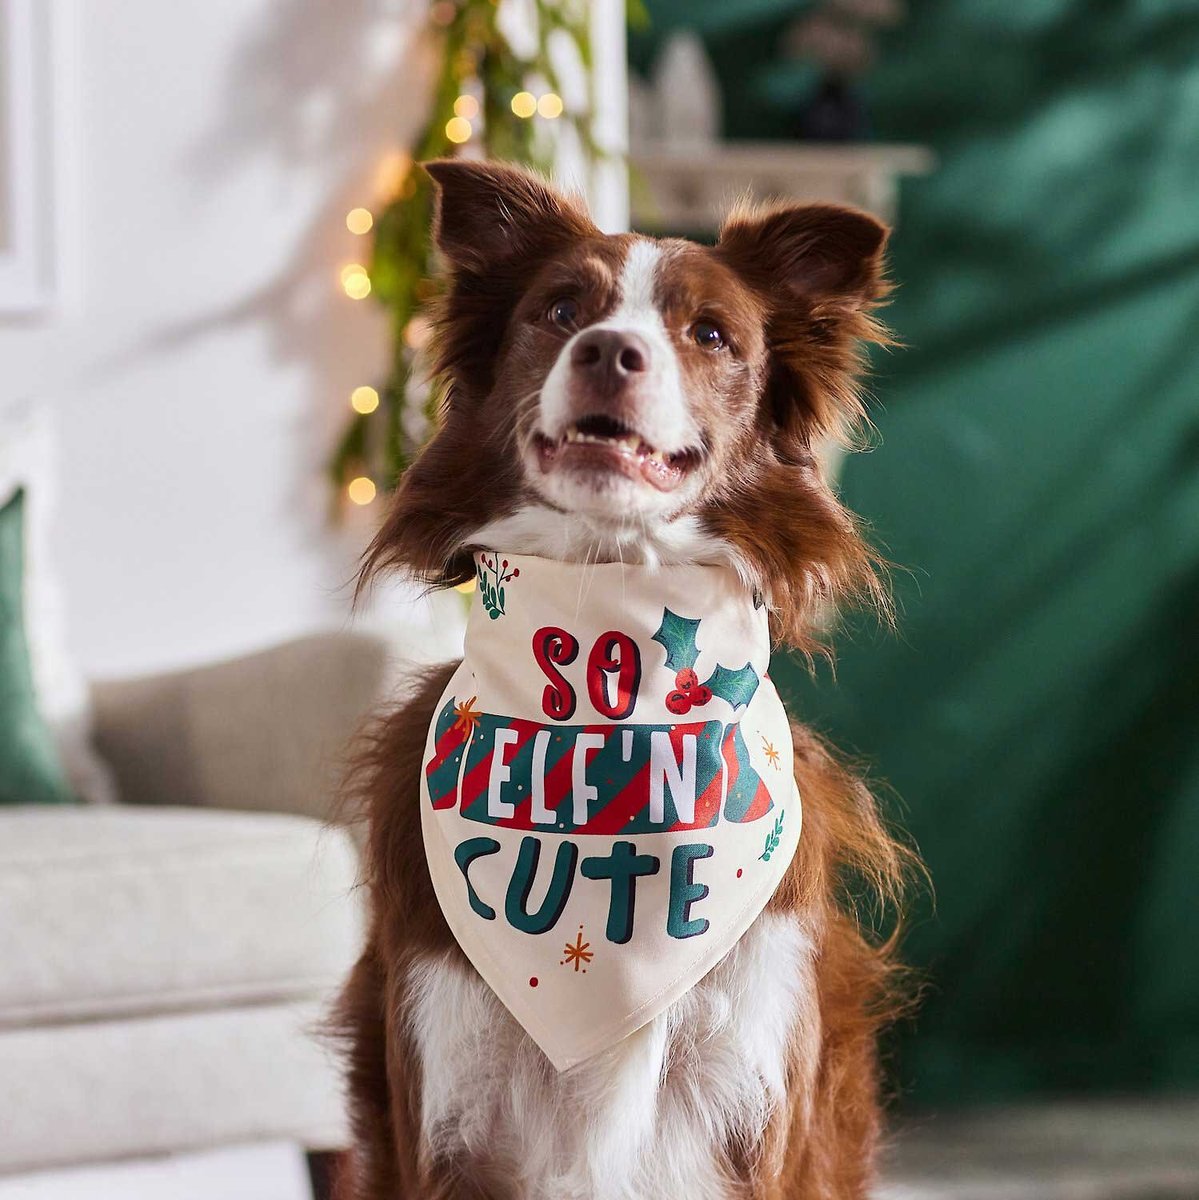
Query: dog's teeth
[[629, 442]]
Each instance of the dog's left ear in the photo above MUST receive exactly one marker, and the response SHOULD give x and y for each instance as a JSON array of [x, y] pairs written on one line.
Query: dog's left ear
[[489, 214], [816, 252], [819, 269]]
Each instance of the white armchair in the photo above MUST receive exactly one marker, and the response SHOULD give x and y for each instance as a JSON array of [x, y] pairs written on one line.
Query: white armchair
[[166, 961]]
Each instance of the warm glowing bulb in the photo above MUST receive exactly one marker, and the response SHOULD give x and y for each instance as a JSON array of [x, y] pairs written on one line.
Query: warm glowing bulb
[[359, 220], [364, 400], [467, 587], [391, 174], [550, 105], [355, 281], [467, 107], [457, 129], [524, 104], [416, 333], [361, 490]]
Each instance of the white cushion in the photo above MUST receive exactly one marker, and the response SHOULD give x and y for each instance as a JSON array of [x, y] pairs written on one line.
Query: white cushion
[[247, 1171], [115, 911], [122, 1089]]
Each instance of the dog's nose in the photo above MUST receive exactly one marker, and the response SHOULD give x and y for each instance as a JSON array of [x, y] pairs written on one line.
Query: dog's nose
[[610, 355]]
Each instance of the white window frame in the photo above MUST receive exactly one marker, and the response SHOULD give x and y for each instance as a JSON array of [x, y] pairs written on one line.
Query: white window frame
[[35, 82]]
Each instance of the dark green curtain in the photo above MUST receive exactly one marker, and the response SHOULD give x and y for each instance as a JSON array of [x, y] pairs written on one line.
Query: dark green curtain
[[1038, 479]]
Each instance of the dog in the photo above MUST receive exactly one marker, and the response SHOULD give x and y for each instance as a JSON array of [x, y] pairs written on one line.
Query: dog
[[617, 399]]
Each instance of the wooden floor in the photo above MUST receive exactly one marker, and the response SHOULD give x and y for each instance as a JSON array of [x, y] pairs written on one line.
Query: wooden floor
[[1143, 1150]]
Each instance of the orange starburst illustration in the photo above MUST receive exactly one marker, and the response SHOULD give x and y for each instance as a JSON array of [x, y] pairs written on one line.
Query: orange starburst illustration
[[468, 717], [772, 755], [578, 953]]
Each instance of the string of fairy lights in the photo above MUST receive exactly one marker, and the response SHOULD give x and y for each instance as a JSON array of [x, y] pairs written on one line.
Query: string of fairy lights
[[488, 100]]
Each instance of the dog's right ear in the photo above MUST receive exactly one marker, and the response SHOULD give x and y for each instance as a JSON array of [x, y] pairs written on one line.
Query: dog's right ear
[[490, 214]]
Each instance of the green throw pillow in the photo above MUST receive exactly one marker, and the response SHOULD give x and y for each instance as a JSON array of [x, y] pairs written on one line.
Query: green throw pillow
[[30, 771]]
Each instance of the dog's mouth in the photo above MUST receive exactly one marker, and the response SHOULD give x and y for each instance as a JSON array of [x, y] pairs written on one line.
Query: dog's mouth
[[601, 444]]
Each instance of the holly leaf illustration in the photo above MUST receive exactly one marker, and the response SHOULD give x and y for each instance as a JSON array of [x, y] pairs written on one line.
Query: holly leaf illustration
[[737, 687], [677, 635]]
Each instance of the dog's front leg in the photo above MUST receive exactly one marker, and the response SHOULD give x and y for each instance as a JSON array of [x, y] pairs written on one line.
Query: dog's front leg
[[374, 1170], [422, 1175]]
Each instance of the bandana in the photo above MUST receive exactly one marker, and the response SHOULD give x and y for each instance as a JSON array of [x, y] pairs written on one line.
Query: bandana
[[607, 797]]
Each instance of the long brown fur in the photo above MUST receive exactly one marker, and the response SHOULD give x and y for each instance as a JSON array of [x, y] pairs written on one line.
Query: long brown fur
[[821, 1147]]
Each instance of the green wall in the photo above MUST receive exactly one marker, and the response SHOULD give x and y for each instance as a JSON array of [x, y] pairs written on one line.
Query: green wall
[[1036, 477]]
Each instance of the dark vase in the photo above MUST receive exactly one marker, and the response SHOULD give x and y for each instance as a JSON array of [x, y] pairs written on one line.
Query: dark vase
[[835, 113]]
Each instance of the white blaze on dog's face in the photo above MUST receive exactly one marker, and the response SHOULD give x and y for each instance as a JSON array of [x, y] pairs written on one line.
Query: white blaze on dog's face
[[617, 435], [622, 395]]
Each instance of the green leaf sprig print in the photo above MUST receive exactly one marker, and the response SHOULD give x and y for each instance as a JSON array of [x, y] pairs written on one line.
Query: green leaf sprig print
[[773, 838]]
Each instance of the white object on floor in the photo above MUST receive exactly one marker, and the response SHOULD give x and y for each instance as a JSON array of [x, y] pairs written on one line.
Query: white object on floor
[[268, 1171]]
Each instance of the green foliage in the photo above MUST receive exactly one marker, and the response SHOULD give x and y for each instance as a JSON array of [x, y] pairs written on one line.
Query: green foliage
[[477, 59]]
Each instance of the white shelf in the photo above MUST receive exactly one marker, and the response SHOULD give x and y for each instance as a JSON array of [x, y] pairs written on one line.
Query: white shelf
[[686, 189]]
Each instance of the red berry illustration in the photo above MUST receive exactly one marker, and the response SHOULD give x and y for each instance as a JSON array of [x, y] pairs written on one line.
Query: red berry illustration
[[678, 703], [686, 679], [701, 695]]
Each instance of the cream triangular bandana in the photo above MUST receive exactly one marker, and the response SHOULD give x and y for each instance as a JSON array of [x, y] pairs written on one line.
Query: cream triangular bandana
[[607, 796]]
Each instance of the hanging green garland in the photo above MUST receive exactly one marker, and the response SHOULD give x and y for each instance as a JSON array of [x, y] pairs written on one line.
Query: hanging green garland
[[481, 101]]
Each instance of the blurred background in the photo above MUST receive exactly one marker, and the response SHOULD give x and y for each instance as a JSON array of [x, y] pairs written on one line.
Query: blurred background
[[213, 267]]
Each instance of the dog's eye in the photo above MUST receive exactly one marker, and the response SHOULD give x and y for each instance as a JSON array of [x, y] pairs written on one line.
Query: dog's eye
[[705, 334], [564, 312]]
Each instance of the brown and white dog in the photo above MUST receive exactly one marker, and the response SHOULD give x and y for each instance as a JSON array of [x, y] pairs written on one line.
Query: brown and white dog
[[618, 398]]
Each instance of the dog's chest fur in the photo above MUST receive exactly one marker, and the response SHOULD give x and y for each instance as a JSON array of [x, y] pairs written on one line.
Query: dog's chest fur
[[656, 1115]]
